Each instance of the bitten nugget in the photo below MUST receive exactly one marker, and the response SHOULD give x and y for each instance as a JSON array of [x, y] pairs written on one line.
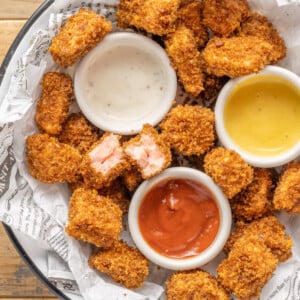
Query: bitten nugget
[[51, 161], [181, 47], [78, 36], [254, 201], [236, 56], [189, 129], [104, 162], [259, 26], [270, 231], [94, 219], [228, 170], [154, 16], [195, 284], [125, 264], [148, 152], [117, 192], [224, 16], [287, 192], [248, 268], [79, 133], [190, 15], [53, 106]]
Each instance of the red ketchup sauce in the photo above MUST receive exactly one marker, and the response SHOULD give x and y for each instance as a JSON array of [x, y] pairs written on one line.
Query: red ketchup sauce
[[179, 218]]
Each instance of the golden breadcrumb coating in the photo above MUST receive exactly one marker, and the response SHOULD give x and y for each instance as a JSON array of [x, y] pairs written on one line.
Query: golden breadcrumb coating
[[228, 170], [190, 15], [224, 16], [181, 47], [104, 162], [53, 106], [132, 178], [195, 284], [79, 133], [94, 219], [154, 16], [270, 231], [124, 264], [117, 192], [212, 86], [248, 268], [254, 201], [189, 129], [148, 152], [82, 32], [236, 56], [259, 26], [287, 192], [51, 161]]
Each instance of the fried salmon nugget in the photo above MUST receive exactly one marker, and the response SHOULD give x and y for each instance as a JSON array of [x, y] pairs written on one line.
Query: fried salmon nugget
[[235, 56], [181, 47], [254, 201], [287, 192], [148, 152], [195, 284], [132, 178], [224, 16], [104, 162], [228, 170], [248, 268], [79, 133], [82, 32], [189, 129], [190, 15], [51, 161], [53, 106], [154, 16], [117, 192], [270, 231], [124, 264], [259, 26], [94, 219]]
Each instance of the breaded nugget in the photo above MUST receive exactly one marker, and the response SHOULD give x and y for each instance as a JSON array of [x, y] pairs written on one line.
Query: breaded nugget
[[236, 56], [124, 264], [79, 133], [270, 231], [228, 170], [181, 47], [51, 161], [248, 268], [53, 106], [254, 201], [212, 86], [190, 16], [189, 129], [82, 32], [117, 192], [259, 26], [287, 192], [154, 16], [104, 162], [148, 152], [195, 284], [94, 219], [224, 16], [132, 178]]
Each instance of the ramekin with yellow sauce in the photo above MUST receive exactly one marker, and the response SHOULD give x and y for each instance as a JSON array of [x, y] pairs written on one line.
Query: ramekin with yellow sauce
[[259, 116]]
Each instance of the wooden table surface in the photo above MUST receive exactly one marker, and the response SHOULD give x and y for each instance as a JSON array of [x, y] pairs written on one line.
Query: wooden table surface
[[16, 279]]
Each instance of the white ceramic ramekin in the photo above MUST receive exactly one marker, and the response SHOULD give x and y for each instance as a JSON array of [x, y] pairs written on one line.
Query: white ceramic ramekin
[[130, 125], [227, 141], [185, 263]]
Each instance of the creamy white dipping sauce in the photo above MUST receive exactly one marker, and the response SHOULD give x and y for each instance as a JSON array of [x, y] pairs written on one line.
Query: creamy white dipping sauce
[[125, 83]]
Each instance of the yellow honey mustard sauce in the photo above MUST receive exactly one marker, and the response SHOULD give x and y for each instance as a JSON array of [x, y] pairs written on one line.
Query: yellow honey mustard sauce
[[262, 115]]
